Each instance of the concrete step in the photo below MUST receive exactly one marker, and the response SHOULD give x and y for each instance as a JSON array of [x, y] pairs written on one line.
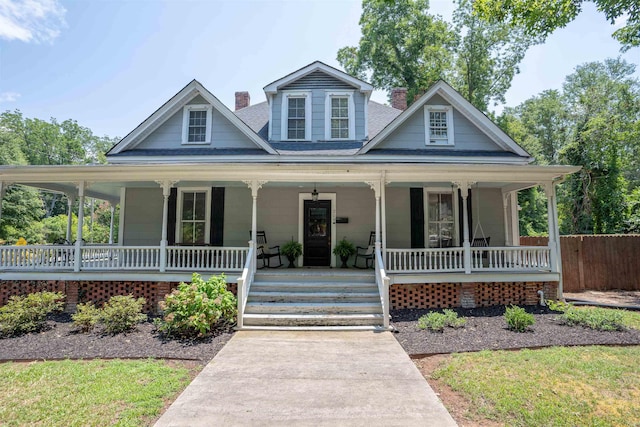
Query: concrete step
[[316, 328], [297, 320], [305, 276], [278, 296], [313, 287], [312, 307]]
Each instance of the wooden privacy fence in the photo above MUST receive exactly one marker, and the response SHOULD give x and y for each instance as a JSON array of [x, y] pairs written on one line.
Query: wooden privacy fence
[[597, 262]]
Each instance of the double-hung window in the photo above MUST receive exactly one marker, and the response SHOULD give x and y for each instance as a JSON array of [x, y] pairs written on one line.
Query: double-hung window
[[438, 125], [196, 124], [442, 217], [193, 216], [296, 116], [339, 116]]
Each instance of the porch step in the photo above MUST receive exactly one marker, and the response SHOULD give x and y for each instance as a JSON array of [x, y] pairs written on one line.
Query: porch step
[[305, 299]]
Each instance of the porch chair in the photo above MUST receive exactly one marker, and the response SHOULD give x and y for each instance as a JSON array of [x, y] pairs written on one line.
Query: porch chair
[[266, 252], [366, 253]]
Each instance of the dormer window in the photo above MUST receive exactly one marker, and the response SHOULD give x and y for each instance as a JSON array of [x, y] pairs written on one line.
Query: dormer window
[[196, 124], [296, 116], [339, 116], [438, 125]]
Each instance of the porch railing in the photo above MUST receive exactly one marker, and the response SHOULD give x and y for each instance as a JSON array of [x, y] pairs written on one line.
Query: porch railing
[[183, 258], [49, 257], [108, 257], [511, 258], [382, 280], [425, 260], [245, 281]]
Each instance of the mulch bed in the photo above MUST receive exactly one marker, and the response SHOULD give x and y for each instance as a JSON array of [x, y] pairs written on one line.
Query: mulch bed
[[486, 330], [60, 340]]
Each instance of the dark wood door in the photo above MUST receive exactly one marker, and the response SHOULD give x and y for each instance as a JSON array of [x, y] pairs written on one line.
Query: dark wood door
[[317, 233]]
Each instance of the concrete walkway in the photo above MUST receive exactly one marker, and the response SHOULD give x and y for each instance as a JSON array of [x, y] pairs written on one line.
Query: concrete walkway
[[275, 378]]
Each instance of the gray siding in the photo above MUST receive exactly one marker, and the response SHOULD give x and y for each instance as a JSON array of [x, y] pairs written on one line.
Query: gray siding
[[411, 134], [142, 217], [398, 217], [317, 80], [237, 216], [168, 135]]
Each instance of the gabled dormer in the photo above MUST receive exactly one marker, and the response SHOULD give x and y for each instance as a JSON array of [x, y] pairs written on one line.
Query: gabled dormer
[[318, 104]]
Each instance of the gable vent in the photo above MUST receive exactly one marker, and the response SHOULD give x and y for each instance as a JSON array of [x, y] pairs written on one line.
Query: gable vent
[[317, 80]]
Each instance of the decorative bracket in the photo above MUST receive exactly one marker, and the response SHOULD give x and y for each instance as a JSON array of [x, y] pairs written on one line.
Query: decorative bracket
[[166, 186], [254, 185], [375, 186]]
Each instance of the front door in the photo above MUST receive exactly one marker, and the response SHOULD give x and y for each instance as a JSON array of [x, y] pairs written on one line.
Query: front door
[[317, 233]]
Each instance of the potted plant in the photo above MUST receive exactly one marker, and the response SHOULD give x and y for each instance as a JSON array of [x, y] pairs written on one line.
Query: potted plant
[[292, 250], [344, 249]]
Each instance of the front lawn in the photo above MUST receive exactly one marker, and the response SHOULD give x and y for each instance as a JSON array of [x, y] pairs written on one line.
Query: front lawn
[[88, 393], [597, 386]]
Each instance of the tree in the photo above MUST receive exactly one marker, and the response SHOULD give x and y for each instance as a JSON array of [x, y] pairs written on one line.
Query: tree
[[541, 18]]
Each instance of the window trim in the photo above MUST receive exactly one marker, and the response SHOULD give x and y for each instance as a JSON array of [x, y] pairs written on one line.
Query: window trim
[[456, 215], [185, 123], [351, 112], [427, 126], [207, 219], [284, 117]]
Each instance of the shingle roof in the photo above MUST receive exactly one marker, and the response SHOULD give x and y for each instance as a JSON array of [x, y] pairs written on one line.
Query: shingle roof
[[168, 152]]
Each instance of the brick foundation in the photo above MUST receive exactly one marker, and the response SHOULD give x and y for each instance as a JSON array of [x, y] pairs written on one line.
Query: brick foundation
[[97, 291], [469, 295]]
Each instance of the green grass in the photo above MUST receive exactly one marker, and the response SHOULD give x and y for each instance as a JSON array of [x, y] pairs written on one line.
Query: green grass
[[595, 386], [87, 393]]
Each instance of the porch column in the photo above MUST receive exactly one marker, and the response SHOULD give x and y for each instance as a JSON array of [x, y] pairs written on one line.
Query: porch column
[[254, 186], [70, 200], [515, 222], [375, 186], [551, 218], [166, 192], [383, 207], [77, 255], [113, 211], [466, 245], [505, 206], [2, 191], [558, 252]]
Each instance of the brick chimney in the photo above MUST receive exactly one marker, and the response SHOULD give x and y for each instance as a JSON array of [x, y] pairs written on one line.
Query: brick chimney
[[399, 98], [242, 100]]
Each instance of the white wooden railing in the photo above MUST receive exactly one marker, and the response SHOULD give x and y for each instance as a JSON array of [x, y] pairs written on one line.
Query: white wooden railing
[[382, 280], [245, 281], [108, 257], [186, 258], [28, 257], [511, 258], [425, 260]]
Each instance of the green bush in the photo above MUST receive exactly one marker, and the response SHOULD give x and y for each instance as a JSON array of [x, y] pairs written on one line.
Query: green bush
[[23, 314], [595, 318], [86, 317], [438, 321], [121, 313], [518, 319], [194, 308]]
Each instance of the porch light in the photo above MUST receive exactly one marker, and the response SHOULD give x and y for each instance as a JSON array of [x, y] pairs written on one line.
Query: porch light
[[314, 194]]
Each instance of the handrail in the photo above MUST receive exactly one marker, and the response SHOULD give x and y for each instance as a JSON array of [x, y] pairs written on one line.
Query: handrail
[[245, 281], [382, 280], [511, 258]]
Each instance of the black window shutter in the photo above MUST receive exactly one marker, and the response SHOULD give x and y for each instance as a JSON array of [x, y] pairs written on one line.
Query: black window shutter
[[216, 237], [171, 217], [461, 216], [417, 217]]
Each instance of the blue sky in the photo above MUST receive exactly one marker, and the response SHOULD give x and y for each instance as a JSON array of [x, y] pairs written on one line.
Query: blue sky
[[110, 64]]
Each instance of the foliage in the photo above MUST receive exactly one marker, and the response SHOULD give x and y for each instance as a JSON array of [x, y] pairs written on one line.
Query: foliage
[[292, 249], [557, 386], [518, 319], [544, 17], [344, 248], [403, 45], [436, 321], [21, 213], [86, 317], [193, 309], [23, 314], [121, 313], [594, 318], [89, 392]]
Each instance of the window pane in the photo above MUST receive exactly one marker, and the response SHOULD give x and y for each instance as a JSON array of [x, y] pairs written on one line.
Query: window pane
[[197, 131], [296, 126], [187, 205], [446, 207], [187, 232], [198, 232], [438, 124], [433, 207], [200, 208]]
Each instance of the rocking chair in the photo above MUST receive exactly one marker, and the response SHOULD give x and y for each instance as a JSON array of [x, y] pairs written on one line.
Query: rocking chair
[[366, 253], [266, 252]]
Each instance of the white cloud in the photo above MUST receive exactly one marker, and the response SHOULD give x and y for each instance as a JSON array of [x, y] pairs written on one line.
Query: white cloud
[[31, 20], [9, 96], [621, 20]]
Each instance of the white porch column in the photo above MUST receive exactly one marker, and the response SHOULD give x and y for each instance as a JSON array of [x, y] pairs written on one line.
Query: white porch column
[[551, 219], [166, 192], [113, 212], [505, 205], [515, 219], [383, 207], [466, 245], [78, 255], [70, 200], [375, 186], [254, 186], [558, 252], [3, 188]]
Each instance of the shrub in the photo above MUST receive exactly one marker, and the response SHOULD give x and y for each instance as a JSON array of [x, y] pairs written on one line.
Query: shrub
[[438, 321], [121, 313], [86, 317], [518, 319], [194, 308], [23, 314], [595, 318]]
